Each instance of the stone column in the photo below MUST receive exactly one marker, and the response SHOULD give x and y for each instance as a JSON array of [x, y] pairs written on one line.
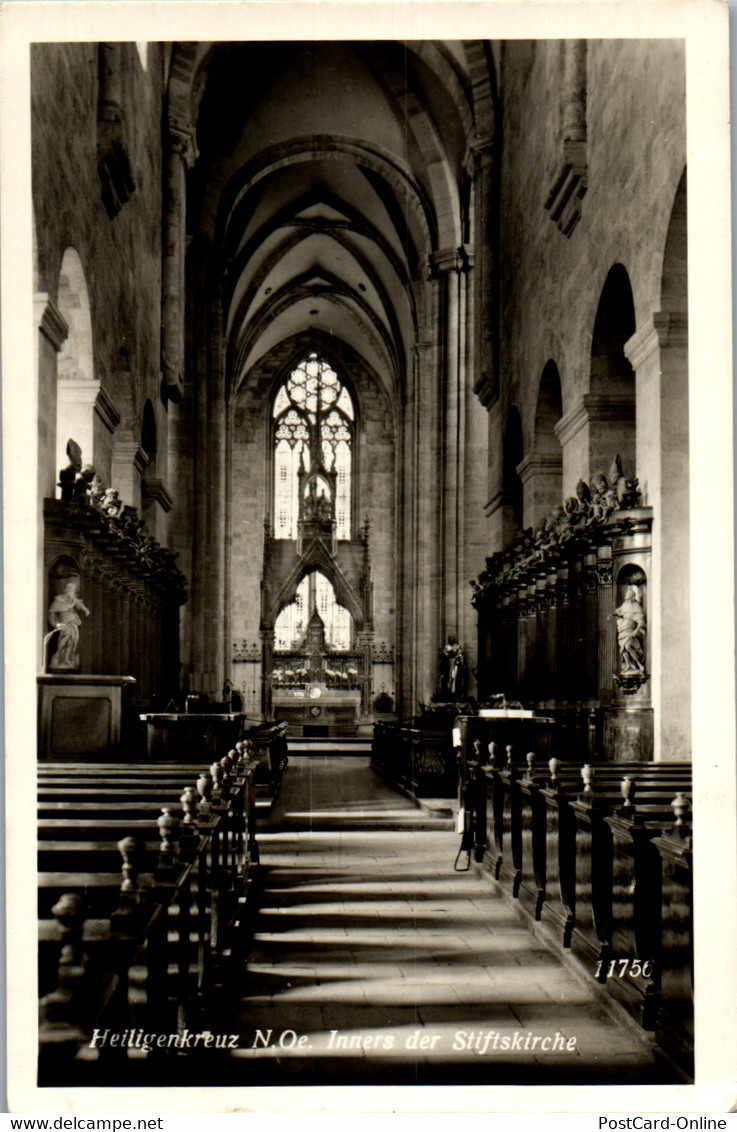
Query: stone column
[[659, 354], [420, 527], [179, 156], [52, 334], [540, 476], [486, 273], [216, 481], [474, 456], [592, 433], [128, 464], [448, 264], [180, 535], [460, 480]]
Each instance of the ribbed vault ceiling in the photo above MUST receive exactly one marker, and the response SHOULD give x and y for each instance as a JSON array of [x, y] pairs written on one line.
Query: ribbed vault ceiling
[[327, 171]]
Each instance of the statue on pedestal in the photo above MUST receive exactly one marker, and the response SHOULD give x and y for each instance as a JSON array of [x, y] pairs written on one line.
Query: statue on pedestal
[[631, 628], [65, 620], [452, 671]]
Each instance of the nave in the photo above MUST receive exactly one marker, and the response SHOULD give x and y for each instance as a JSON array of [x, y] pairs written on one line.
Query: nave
[[395, 968]]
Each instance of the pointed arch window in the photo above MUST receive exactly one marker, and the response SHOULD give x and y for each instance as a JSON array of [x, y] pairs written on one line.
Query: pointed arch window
[[315, 592], [314, 432]]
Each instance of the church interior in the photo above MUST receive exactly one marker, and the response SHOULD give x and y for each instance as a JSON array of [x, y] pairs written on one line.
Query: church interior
[[363, 546]]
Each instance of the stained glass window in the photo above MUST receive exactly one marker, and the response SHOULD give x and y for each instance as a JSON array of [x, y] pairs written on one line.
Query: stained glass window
[[313, 419]]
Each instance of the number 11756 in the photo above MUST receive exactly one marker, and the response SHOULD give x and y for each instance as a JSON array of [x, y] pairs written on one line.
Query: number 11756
[[618, 968]]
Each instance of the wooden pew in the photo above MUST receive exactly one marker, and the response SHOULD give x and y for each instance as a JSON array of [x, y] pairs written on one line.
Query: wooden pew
[[585, 851], [95, 969], [674, 1025], [197, 885]]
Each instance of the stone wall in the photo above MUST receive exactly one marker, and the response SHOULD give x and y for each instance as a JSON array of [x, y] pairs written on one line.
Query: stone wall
[[120, 257], [551, 284], [604, 283], [97, 269]]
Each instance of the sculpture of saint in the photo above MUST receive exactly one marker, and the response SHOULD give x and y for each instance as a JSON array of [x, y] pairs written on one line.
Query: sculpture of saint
[[452, 671], [631, 628], [65, 620]]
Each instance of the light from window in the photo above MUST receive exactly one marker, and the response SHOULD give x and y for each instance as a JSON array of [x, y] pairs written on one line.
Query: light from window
[[313, 418], [291, 624]]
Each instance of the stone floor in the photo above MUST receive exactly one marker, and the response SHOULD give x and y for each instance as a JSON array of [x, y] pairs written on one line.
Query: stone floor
[[373, 962]]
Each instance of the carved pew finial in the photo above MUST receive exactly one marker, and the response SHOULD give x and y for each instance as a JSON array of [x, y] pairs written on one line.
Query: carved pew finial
[[629, 789], [554, 767], [188, 831], [60, 1010], [131, 851], [217, 780], [680, 808], [168, 829], [204, 789], [587, 774]]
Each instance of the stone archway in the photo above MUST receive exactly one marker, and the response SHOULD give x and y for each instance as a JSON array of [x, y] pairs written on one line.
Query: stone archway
[[77, 387], [610, 403], [541, 472]]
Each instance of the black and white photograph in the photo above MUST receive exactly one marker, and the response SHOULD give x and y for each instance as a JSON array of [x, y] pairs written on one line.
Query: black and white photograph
[[368, 555]]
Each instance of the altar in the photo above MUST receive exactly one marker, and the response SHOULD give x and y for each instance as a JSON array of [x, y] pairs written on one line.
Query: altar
[[316, 709], [198, 737]]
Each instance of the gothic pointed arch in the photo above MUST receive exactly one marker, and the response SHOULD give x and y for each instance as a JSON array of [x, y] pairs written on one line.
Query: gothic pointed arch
[[315, 557]]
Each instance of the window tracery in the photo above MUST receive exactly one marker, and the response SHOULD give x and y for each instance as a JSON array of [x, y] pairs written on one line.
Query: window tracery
[[313, 428]]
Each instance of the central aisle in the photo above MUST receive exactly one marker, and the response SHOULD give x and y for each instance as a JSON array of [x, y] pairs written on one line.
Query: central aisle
[[373, 962]]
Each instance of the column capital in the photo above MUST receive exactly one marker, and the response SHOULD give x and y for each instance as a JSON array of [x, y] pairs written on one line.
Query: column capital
[[498, 500], [592, 408], [106, 409], [545, 464], [445, 260], [50, 320], [157, 490], [482, 152], [181, 140], [130, 452], [664, 328]]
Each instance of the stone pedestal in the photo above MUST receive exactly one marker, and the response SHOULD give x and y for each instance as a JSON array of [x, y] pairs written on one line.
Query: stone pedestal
[[80, 716], [628, 733]]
